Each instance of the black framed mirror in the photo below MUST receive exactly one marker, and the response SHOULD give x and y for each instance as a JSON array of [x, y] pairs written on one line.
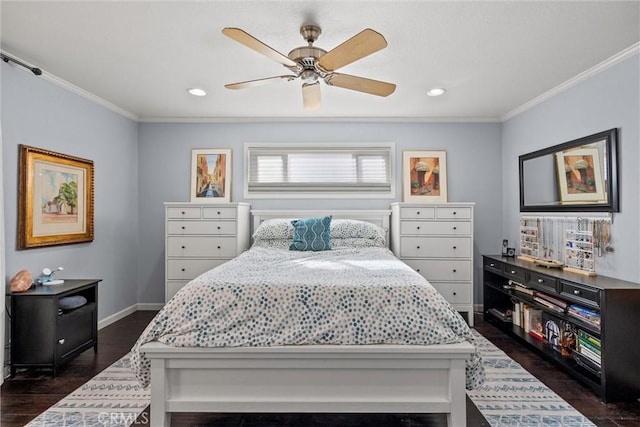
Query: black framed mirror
[[575, 176]]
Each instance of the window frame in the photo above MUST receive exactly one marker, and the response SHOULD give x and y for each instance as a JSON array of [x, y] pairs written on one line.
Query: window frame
[[386, 194]]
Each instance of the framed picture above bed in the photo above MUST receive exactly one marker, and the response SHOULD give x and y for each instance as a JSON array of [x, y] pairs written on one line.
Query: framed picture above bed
[[424, 176], [211, 175], [55, 203]]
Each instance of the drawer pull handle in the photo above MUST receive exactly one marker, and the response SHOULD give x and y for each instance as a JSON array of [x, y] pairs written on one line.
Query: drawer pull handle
[[183, 269], [182, 247], [218, 212], [183, 227], [455, 247], [513, 272], [218, 247], [540, 280], [418, 247], [492, 265], [183, 212], [576, 292], [454, 212], [454, 294], [418, 227], [218, 227], [454, 270], [61, 341], [418, 270], [455, 228]]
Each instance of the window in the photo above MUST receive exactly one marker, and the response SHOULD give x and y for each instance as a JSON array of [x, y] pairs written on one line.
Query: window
[[327, 170]]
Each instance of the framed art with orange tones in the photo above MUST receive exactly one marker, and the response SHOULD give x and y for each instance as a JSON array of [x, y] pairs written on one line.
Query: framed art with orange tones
[[424, 176]]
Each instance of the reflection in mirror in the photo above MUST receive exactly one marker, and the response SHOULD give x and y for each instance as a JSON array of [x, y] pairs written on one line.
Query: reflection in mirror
[[579, 175]]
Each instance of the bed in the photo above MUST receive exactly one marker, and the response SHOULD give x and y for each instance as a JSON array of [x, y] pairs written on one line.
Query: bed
[[280, 330]]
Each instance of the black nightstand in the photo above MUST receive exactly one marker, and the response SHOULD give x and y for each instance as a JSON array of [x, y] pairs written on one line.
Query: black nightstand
[[42, 335]]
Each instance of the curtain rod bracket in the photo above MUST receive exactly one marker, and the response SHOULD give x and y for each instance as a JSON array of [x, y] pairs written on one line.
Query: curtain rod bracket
[[35, 70]]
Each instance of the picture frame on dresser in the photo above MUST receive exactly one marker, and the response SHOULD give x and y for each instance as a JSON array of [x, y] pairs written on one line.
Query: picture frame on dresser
[[211, 175], [56, 199], [424, 176]]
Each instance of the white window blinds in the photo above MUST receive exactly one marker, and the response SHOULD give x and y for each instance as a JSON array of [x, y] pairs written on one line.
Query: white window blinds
[[329, 171]]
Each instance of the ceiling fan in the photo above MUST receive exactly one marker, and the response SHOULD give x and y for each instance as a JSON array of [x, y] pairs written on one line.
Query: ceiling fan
[[312, 64]]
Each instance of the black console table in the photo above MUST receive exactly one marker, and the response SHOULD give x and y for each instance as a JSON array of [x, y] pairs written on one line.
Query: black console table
[[45, 336], [614, 375]]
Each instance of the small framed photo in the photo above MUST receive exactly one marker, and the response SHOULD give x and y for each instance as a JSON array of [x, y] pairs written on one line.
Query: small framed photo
[[211, 175], [55, 205], [424, 176]]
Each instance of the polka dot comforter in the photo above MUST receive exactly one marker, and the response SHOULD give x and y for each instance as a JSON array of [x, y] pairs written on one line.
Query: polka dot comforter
[[270, 296]]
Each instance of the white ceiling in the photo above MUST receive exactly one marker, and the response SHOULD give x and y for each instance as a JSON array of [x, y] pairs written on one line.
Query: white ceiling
[[492, 57]]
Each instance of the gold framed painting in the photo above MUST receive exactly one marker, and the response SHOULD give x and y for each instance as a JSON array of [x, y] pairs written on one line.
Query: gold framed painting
[[580, 177], [211, 175], [424, 176], [55, 198]]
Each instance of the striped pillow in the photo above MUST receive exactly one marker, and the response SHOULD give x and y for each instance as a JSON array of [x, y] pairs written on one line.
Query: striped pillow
[[311, 234]]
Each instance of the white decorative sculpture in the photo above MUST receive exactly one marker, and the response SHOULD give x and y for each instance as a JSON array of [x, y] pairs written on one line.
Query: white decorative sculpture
[[47, 277]]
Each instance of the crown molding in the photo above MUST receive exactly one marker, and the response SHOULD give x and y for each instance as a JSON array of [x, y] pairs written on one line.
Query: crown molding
[[585, 75], [319, 119], [88, 95]]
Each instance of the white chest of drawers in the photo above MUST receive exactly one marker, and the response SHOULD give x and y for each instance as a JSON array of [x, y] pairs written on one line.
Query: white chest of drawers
[[437, 242], [199, 237]]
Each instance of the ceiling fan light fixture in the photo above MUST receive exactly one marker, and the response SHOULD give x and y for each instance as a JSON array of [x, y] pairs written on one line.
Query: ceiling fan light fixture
[[436, 91], [196, 91]]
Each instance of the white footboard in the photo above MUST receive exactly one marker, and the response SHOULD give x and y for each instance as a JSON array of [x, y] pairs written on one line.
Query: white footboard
[[331, 378]]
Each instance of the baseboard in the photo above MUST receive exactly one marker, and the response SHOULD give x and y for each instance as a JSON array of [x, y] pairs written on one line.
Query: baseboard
[[127, 311]]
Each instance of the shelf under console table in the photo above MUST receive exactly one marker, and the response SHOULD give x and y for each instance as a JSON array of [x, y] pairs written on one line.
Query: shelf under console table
[[601, 313]]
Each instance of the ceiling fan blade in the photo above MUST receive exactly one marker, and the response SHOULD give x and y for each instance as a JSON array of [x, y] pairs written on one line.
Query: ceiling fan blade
[[253, 43], [362, 44], [361, 84], [311, 96], [258, 82]]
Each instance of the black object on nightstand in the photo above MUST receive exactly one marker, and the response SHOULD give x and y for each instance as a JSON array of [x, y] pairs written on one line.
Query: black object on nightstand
[[43, 334]]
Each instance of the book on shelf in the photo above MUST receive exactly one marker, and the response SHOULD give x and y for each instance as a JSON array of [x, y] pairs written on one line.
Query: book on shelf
[[589, 316], [589, 354], [504, 315], [548, 304], [586, 363], [586, 336], [519, 287], [516, 315], [553, 300], [590, 346]]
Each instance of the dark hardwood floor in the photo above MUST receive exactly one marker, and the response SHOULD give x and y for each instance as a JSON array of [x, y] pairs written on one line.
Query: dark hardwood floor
[[31, 392]]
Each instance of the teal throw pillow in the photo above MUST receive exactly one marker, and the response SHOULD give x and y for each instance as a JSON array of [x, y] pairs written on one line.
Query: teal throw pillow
[[311, 234]]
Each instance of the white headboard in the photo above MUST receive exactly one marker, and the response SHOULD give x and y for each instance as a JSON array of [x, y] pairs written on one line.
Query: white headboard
[[377, 217]]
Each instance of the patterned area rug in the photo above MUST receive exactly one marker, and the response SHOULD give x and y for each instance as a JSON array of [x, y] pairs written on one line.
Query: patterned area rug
[[510, 397], [111, 398]]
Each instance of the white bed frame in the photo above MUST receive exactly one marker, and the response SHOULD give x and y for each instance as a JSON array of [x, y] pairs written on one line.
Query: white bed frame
[[313, 378]]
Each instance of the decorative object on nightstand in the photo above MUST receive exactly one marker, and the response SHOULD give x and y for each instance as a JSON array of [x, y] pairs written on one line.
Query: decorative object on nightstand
[[22, 281], [199, 237], [47, 277], [436, 240], [51, 325]]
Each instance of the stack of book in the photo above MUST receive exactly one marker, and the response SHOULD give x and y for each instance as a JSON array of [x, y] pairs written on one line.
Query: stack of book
[[588, 352], [550, 302], [585, 314]]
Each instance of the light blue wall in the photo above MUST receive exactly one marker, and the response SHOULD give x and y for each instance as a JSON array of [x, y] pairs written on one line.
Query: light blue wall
[[41, 114], [611, 99], [473, 163]]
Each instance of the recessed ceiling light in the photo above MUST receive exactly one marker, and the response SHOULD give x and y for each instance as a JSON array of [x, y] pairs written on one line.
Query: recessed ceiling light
[[196, 91], [436, 91]]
